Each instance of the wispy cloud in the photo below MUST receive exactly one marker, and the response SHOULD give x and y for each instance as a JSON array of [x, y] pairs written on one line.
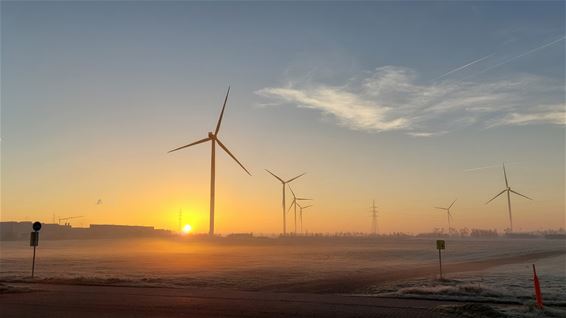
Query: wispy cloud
[[557, 117], [426, 134], [392, 99], [352, 110]]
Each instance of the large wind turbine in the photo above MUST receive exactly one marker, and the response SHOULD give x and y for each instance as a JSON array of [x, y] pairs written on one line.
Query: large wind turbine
[[213, 138], [448, 213], [508, 190], [301, 208], [284, 183], [294, 204]]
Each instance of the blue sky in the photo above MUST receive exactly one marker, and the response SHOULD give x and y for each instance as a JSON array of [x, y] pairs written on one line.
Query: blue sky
[[96, 91]]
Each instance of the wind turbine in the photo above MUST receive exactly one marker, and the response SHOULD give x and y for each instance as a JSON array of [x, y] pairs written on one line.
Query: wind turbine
[[448, 213], [508, 190], [374, 218], [301, 208], [294, 203], [284, 183], [213, 138]]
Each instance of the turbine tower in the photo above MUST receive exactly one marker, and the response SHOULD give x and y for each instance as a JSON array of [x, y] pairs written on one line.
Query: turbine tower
[[213, 138], [284, 183], [509, 191], [374, 218], [301, 208], [448, 213], [294, 204]]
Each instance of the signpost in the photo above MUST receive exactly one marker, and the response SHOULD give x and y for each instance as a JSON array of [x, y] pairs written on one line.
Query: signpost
[[34, 241], [440, 245]]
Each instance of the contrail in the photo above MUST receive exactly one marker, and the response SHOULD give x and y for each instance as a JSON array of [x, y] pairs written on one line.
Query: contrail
[[489, 167], [481, 168], [520, 55], [463, 66]]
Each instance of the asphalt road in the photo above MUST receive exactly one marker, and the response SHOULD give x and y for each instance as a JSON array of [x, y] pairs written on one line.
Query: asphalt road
[[106, 301]]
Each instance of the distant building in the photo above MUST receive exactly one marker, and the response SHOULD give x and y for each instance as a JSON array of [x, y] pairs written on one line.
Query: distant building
[[111, 231], [240, 235], [483, 233], [12, 231]]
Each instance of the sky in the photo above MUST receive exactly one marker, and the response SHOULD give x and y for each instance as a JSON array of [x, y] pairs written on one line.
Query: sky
[[410, 104]]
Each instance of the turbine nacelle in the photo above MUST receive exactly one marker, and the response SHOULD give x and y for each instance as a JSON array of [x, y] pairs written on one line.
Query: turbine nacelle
[[211, 135]]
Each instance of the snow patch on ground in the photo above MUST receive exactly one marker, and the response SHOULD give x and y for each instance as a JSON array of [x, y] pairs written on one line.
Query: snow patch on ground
[[489, 311]]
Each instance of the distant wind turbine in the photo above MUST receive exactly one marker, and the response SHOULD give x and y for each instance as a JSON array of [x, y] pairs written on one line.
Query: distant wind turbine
[[508, 190], [448, 213], [301, 208], [294, 204], [213, 138], [284, 183]]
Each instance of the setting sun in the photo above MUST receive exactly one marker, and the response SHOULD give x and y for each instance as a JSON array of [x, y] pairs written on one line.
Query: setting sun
[[187, 228]]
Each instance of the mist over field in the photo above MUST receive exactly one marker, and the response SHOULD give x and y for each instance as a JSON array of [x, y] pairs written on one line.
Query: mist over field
[[316, 265]]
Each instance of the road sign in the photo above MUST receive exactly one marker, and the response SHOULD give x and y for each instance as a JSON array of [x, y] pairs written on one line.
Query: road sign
[[36, 226], [440, 245], [34, 239]]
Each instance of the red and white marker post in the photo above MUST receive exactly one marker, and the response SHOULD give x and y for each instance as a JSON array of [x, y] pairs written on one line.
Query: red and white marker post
[[538, 294]]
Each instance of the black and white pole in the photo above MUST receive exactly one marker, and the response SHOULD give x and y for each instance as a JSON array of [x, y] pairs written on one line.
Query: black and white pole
[[34, 241], [440, 245]]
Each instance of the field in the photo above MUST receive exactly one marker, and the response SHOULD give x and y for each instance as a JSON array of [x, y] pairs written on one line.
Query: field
[[496, 272]]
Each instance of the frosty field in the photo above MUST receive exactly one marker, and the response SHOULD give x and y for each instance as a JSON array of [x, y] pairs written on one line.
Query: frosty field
[[483, 270]]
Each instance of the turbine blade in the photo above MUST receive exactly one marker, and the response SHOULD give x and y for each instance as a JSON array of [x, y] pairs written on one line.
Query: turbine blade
[[306, 207], [452, 204], [505, 174], [303, 199], [500, 193], [440, 208], [517, 193], [191, 144], [290, 206], [292, 192], [222, 112], [231, 155], [273, 174], [295, 178]]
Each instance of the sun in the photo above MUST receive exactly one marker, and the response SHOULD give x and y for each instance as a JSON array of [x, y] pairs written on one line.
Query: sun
[[187, 228]]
